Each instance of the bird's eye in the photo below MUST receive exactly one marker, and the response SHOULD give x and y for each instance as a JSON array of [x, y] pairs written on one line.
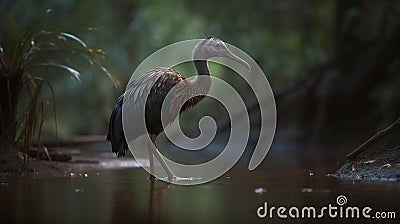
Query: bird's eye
[[217, 45]]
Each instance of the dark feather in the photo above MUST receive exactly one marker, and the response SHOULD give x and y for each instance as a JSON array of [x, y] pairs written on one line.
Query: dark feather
[[156, 98], [115, 130]]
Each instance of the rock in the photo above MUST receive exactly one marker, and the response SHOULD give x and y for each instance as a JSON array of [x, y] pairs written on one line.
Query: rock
[[380, 165]]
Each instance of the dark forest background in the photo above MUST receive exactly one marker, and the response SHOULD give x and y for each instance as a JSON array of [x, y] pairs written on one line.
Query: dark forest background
[[333, 65]]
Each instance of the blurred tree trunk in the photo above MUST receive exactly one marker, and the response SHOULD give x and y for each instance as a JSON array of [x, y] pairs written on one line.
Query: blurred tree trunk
[[336, 96], [363, 59]]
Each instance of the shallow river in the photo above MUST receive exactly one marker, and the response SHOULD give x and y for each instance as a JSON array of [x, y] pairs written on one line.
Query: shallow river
[[122, 196]]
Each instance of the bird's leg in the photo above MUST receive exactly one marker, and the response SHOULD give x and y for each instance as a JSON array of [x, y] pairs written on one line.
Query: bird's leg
[[171, 175], [151, 160]]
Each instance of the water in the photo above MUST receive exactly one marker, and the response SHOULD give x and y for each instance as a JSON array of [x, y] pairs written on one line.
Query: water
[[121, 196], [287, 178]]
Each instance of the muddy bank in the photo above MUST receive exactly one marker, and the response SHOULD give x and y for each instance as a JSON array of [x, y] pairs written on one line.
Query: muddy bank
[[379, 165], [83, 158]]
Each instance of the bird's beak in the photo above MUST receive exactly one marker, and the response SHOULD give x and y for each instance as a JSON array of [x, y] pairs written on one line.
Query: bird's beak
[[229, 54]]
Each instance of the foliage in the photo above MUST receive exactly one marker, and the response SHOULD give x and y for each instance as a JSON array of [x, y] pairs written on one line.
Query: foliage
[[286, 38], [29, 59]]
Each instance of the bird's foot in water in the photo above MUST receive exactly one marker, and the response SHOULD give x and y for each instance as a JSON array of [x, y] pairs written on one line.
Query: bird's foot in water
[[172, 178]]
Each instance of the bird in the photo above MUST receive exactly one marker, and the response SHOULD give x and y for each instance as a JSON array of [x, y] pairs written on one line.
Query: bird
[[151, 89]]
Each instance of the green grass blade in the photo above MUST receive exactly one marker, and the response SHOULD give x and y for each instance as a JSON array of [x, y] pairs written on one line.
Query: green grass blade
[[70, 70]]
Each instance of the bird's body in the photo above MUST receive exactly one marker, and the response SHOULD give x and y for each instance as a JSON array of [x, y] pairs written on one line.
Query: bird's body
[[163, 79], [151, 89]]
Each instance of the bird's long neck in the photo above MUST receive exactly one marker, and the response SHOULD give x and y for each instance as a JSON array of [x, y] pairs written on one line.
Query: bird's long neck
[[202, 82], [200, 85], [201, 67]]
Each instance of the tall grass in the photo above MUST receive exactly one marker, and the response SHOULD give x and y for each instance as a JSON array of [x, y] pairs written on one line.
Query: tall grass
[[28, 59]]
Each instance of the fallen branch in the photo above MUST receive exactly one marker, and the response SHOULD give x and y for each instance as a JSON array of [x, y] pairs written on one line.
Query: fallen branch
[[374, 139]]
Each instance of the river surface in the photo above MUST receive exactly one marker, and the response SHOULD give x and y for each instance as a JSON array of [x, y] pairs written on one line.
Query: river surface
[[128, 196]]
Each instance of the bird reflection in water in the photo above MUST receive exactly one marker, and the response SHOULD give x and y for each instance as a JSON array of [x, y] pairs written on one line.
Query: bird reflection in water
[[156, 199]]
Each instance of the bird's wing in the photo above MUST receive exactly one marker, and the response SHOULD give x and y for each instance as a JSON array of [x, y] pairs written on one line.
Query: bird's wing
[[158, 79], [148, 92]]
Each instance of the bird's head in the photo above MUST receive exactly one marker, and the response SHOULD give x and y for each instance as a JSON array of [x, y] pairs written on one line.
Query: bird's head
[[213, 47]]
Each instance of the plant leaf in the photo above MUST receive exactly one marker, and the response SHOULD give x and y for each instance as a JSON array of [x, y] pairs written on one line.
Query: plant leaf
[[73, 37], [72, 71]]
